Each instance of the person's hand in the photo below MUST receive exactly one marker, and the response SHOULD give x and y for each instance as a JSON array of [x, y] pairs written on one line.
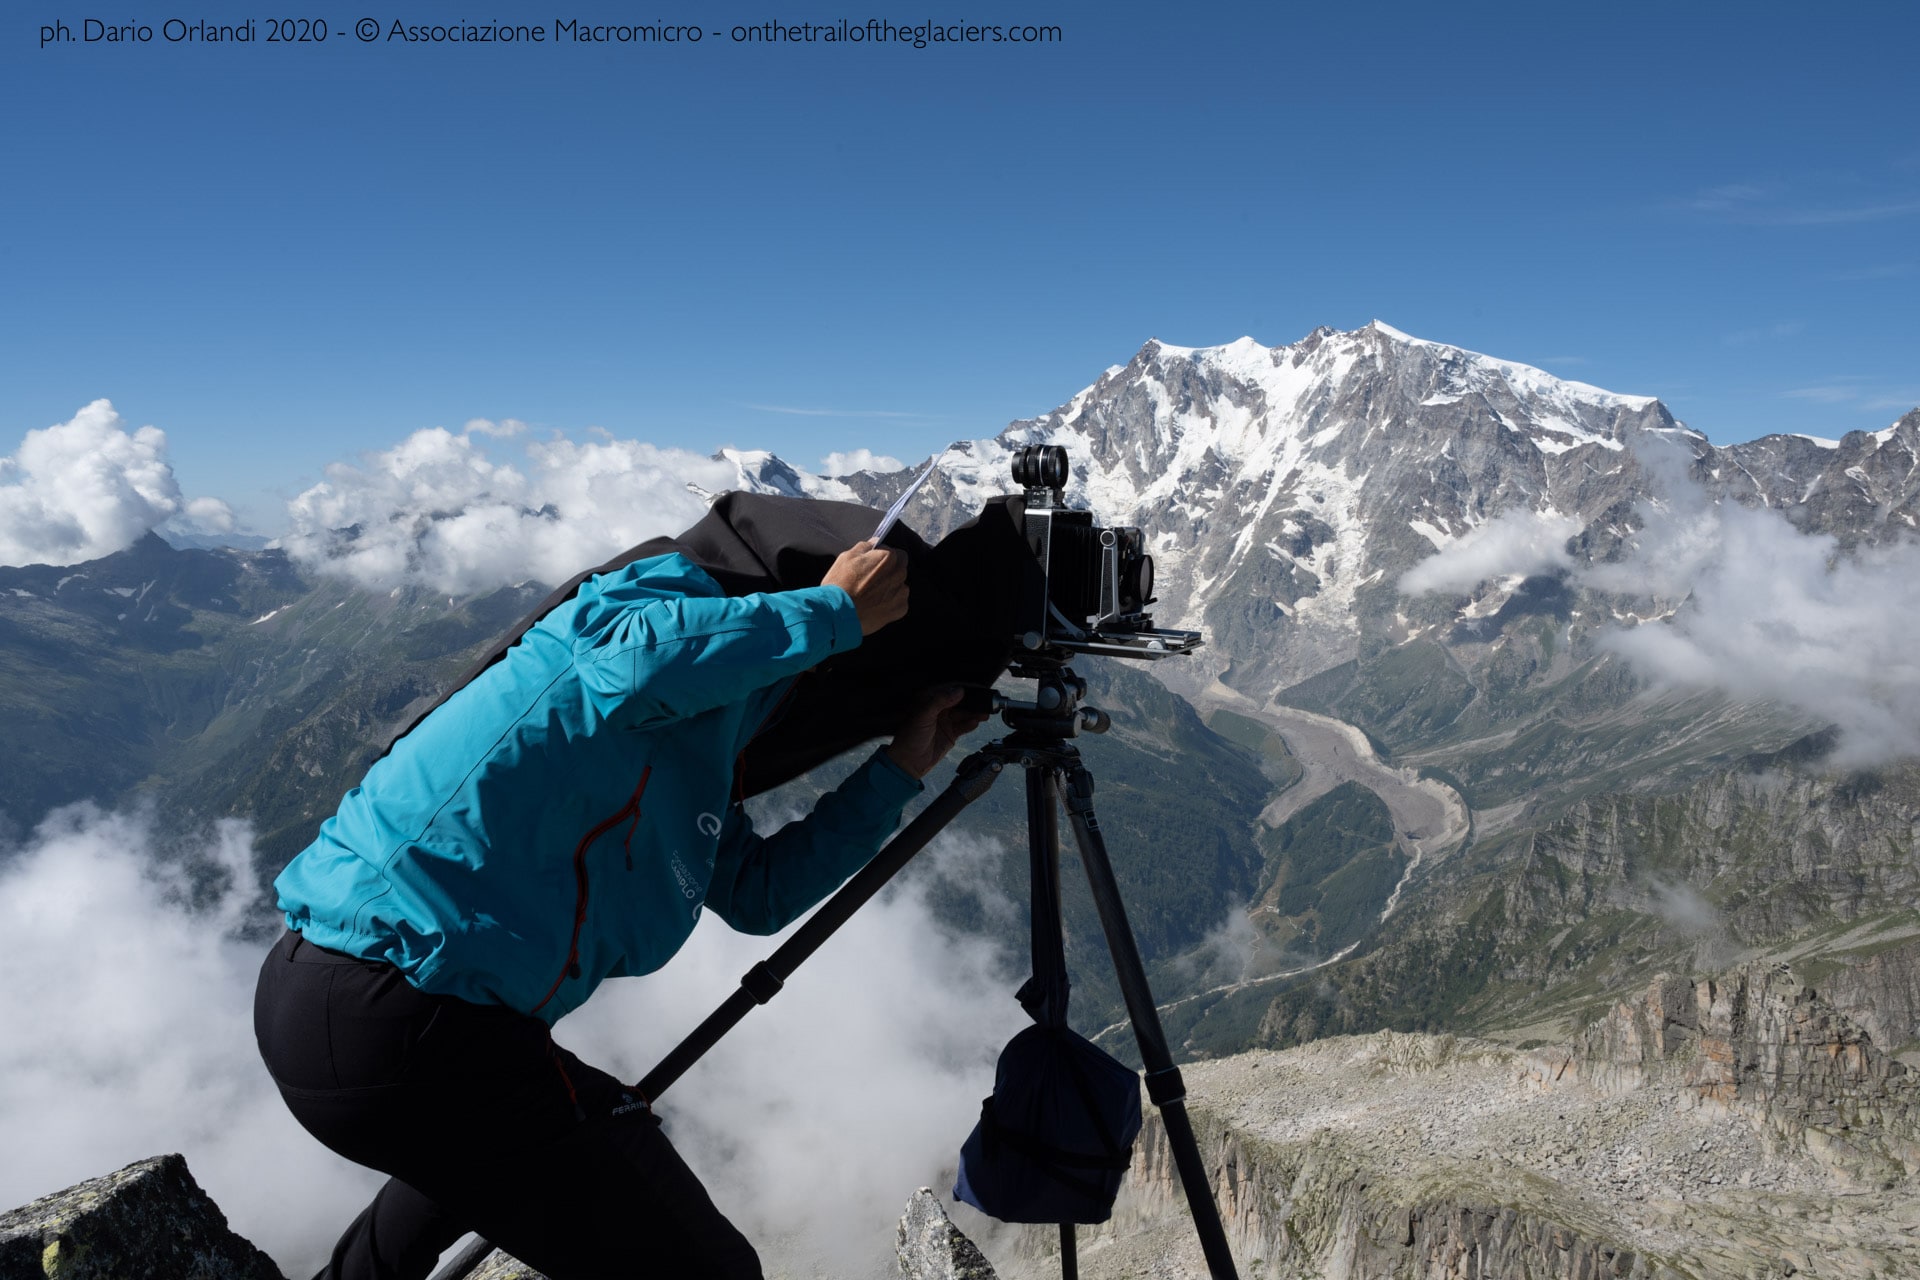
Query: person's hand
[[939, 723], [876, 578]]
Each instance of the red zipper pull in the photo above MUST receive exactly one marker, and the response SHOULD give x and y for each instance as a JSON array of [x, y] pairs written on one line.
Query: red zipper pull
[[626, 843]]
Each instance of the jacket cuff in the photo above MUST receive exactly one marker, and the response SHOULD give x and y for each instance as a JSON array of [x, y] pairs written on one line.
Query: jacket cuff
[[892, 783], [842, 618]]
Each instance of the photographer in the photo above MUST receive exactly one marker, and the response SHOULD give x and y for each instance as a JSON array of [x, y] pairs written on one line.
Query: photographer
[[562, 818]]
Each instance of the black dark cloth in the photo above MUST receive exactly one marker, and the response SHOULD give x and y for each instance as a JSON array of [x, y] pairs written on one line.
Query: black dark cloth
[[964, 596], [485, 1125], [1056, 1135]]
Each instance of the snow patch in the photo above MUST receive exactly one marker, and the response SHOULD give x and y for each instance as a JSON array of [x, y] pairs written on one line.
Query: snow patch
[[1580, 435], [1523, 378]]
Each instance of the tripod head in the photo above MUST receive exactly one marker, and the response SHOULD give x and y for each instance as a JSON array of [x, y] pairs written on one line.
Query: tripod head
[[1056, 710]]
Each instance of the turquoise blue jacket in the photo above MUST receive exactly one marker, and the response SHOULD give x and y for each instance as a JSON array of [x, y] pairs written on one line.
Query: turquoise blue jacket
[[565, 817]]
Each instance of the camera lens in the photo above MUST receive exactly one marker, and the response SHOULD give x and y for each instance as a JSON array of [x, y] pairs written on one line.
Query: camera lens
[[1026, 466], [1040, 466], [1053, 466]]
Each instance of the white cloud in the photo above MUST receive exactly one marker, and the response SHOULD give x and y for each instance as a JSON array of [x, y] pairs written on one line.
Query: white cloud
[[1778, 614], [130, 1033], [1764, 610], [438, 510], [1764, 333], [1682, 906], [86, 488], [818, 1116], [503, 429], [852, 460], [1864, 397], [1729, 196], [1825, 395], [796, 411], [1233, 951], [441, 510], [129, 1019], [1518, 541]]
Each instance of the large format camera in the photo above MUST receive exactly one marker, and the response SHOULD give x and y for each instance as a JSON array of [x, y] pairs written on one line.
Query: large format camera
[[1099, 581]]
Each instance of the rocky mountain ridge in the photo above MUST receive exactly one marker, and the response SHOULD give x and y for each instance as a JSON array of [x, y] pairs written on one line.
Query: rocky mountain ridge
[[1403, 1156], [1761, 1045], [1538, 929]]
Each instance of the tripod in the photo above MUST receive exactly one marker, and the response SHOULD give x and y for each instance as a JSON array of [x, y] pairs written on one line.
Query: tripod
[[1054, 773]]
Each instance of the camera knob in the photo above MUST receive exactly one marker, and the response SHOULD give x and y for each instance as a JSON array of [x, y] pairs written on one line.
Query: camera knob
[[1094, 720]]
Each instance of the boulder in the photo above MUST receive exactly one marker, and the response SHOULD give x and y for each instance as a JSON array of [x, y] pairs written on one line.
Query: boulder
[[930, 1247], [149, 1221]]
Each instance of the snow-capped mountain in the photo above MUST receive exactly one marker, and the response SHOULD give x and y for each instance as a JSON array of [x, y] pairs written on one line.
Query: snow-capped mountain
[[759, 471], [1285, 490]]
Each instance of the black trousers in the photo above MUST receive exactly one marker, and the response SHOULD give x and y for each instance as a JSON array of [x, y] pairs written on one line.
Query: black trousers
[[485, 1125]]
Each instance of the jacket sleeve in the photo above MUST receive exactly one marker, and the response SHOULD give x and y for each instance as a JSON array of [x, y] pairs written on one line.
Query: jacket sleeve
[[665, 644], [761, 884]]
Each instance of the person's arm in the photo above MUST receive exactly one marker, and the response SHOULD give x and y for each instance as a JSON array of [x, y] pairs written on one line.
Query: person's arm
[[665, 645], [761, 884]]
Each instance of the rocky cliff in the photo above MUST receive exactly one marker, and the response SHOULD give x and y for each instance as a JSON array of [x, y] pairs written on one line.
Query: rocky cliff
[[150, 1220], [1760, 852], [1539, 927], [1760, 1045], [1435, 1158]]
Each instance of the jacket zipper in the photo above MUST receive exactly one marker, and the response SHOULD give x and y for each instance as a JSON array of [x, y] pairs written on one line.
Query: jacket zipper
[[629, 810]]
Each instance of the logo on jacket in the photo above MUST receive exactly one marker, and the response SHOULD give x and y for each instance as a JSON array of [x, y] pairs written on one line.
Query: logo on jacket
[[690, 889], [708, 824]]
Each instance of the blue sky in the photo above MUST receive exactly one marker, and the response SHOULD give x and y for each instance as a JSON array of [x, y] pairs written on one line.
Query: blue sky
[[282, 256]]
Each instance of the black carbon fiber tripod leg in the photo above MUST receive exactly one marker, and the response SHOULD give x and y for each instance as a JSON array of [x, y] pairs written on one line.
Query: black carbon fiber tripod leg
[[1046, 996], [762, 982], [1164, 1085]]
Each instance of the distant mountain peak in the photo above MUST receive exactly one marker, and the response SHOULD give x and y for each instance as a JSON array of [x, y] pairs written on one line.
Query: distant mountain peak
[[760, 471], [1285, 490]]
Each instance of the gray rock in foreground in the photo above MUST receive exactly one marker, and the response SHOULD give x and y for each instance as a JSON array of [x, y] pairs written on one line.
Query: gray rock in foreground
[[501, 1265], [930, 1247], [149, 1221]]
